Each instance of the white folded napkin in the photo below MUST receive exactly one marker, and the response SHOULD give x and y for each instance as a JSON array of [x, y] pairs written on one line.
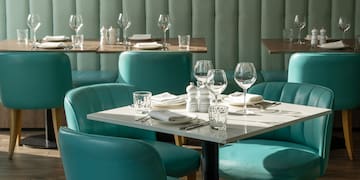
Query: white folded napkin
[[165, 115], [51, 45], [333, 45], [238, 98], [167, 98], [147, 44], [140, 37], [55, 38]]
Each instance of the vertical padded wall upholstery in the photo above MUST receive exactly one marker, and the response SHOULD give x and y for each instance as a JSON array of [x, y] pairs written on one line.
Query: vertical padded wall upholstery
[[233, 28]]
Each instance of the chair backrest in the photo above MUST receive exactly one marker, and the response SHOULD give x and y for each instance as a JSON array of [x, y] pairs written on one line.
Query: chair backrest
[[89, 99], [34, 80], [87, 156], [156, 71], [337, 71], [315, 133]]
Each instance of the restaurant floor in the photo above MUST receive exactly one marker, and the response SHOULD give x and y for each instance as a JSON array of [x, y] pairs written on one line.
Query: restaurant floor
[[43, 164]]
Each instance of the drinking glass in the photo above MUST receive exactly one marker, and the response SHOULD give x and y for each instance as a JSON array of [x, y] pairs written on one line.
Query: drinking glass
[[75, 23], [33, 22], [124, 23], [164, 25], [216, 81], [344, 26], [300, 23], [201, 69], [245, 77]]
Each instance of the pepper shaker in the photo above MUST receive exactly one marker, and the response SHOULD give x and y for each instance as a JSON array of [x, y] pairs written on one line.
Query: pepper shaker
[[191, 102]]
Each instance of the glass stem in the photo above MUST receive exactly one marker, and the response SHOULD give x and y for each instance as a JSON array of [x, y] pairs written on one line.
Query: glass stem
[[343, 37], [33, 36], [245, 104], [164, 43], [299, 36], [124, 36]]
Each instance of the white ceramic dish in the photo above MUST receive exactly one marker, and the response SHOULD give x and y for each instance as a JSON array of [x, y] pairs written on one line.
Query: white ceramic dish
[[147, 46], [140, 37], [51, 45]]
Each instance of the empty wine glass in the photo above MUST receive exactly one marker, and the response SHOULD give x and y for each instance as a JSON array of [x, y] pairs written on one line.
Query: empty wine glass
[[164, 25], [33, 22], [75, 23], [344, 26], [245, 77], [216, 81], [201, 69], [124, 23], [300, 23]]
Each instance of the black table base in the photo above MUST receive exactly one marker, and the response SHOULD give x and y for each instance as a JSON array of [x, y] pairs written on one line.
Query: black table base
[[210, 160]]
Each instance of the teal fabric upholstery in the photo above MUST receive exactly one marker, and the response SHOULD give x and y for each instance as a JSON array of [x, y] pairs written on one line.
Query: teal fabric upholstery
[[81, 101], [83, 78], [156, 71], [299, 151], [233, 30], [33, 81], [337, 71], [88, 156]]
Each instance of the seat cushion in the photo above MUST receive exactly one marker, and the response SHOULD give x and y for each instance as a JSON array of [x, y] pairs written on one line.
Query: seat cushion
[[82, 78], [268, 159], [178, 161]]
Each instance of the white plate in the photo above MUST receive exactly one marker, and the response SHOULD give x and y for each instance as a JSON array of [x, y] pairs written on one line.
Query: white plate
[[179, 121], [147, 46], [51, 45], [157, 104], [239, 103], [333, 45], [56, 38]]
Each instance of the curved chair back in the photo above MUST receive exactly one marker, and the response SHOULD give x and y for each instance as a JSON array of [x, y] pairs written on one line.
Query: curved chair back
[[337, 71], [156, 71], [87, 156], [34, 80], [89, 99], [315, 133]]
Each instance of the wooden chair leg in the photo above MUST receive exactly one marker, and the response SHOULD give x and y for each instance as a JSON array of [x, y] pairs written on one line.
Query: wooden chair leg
[[191, 176], [179, 140], [15, 127], [347, 129], [57, 116]]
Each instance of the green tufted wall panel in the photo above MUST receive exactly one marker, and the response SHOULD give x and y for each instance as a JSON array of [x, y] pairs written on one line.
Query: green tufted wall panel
[[233, 28]]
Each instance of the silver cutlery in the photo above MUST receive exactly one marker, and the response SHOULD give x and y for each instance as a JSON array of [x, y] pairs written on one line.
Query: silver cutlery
[[194, 125], [144, 118]]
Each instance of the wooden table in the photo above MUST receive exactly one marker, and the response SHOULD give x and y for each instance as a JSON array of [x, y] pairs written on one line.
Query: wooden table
[[239, 126], [282, 46], [197, 45]]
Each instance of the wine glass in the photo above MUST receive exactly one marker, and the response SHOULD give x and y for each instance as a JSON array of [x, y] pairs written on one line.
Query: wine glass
[[33, 22], [216, 82], [124, 23], [245, 77], [300, 23], [164, 24], [344, 26], [75, 23], [201, 69]]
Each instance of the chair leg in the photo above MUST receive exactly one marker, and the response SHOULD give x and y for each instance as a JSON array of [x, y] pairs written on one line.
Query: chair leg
[[179, 140], [191, 176], [347, 129], [15, 127], [57, 116]]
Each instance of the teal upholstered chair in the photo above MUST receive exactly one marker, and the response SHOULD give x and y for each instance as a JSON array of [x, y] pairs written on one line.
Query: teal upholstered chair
[[89, 156], [337, 71], [79, 102], [299, 151], [33, 81], [156, 72]]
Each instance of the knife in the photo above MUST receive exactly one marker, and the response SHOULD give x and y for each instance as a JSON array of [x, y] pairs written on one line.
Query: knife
[[194, 126]]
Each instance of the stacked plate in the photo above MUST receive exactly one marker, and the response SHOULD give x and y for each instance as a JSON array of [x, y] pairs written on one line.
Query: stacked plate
[[167, 99], [237, 99]]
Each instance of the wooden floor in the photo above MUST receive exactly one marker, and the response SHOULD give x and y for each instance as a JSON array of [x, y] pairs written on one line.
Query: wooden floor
[[42, 164]]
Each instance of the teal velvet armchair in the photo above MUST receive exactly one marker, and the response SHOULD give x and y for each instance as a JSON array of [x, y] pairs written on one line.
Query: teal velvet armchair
[[340, 73], [300, 151], [94, 157], [79, 102]]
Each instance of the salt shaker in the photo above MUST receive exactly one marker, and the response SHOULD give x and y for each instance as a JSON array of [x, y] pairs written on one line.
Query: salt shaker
[[204, 99], [103, 34], [112, 35], [314, 37], [322, 38], [191, 102]]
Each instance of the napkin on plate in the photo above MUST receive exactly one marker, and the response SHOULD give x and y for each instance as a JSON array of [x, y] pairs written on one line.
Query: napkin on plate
[[165, 115], [238, 98], [333, 45], [167, 98], [51, 45], [55, 38], [147, 45], [140, 37]]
